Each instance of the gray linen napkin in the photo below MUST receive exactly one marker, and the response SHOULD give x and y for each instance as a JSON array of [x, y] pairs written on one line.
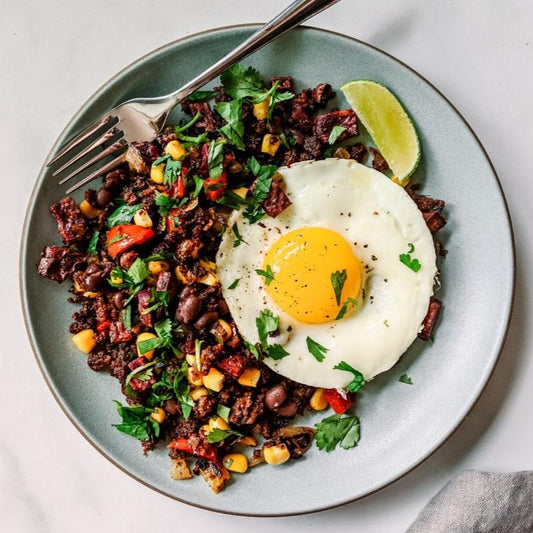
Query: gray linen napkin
[[480, 502]]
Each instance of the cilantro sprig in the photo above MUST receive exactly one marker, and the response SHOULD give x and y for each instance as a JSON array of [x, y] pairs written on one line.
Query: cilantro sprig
[[409, 261], [268, 274], [137, 422], [358, 380], [267, 323], [337, 430], [122, 214], [316, 350], [338, 278]]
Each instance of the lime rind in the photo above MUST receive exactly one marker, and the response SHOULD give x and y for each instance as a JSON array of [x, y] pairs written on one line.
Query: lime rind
[[378, 121]]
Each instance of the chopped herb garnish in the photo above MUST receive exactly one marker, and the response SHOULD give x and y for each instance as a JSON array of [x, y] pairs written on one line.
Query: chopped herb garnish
[[158, 299], [254, 350], [404, 378], [198, 353], [234, 284], [338, 279], [92, 248], [266, 323], [201, 96], [164, 339], [344, 308], [173, 384], [274, 97], [316, 350], [172, 171], [193, 141], [238, 239], [198, 185], [358, 380], [122, 214], [223, 412], [267, 274], [336, 132], [137, 272], [215, 158], [337, 429], [164, 203], [141, 373], [288, 142], [231, 112], [239, 82], [218, 435], [192, 122], [126, 317], [276, 351], [137, 422], [409, 261]]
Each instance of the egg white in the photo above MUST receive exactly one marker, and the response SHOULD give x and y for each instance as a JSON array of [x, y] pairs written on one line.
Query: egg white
[[380, 221]]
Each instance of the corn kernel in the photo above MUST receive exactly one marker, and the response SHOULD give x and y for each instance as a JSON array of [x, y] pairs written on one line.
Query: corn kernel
[[180, 275], [403, 183], [208, 265], [194, 377], [204, 430], [88, 210], [318, 401], [218, 423], [85, 340], [250, 377], [260, 110], [142, 219], [209, 279], [78, 287], [214, 380], [157, 173], [236, 462], [241, 191], [175, 150], [197, 393], [156, 267], [116, 279], [159, 415], [270, 144], [276, 455], [144, 337], [221, 330], [191, 359], [248, 441], [90, 294]]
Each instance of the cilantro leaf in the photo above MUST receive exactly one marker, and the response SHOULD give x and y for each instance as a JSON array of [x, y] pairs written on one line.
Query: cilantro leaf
[[192, 122], [338, 278], [218, 435], [276, 351], [164, 203], [223, 412], [253, 349], [266, 323], [410, 262], [215, 158], [172, 170], [231, 112], [336, 132], [239, 82], [92, 248], [158, 299], [238, 238], [122, 214], [275, 98], [137, 422], [404, 378], [337, 429], [198, 185], [200, 96], [344, 308], [263, 182], [234, 284], [137, 272], [164, 338], [126, 317], [358, 380], [267, 274], [316, 350]]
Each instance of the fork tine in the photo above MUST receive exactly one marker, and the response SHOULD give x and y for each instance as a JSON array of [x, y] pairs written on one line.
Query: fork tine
[[95, 126], [106, 168], [120, 143], [101, 140]]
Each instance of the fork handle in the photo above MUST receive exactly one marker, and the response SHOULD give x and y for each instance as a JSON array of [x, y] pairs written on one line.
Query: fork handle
[[298, 12]]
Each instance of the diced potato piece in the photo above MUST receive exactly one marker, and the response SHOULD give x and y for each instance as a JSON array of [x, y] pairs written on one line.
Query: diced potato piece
[[214, 380], [250, 377], [157, 173], [216, 477], [179, 469], [175, 150], [270, 144], [85, 340], [260, 110]]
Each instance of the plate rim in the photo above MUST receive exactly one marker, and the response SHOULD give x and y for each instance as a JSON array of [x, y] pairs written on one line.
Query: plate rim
[[24, 295]]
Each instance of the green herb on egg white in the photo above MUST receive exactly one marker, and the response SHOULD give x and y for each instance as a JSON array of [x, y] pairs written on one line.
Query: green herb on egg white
[[338, 278], [409, 261], [267, 274], [238, 239], [358, 380], [234, 284], [344, 308], [316, 350]]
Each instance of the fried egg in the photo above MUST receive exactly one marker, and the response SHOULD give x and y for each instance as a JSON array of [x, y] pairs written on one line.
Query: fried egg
[[349, 266]]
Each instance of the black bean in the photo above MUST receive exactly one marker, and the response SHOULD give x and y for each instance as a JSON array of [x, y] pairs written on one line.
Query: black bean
[[92, 268], [288, 410], [223, 307], [206, 320], [275, 396], [118, 299], [112, 181], [189, 307], [103, 197], [92, 281]]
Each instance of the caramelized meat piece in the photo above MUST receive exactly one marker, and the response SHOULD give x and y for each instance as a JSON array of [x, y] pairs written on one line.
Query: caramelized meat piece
[[431, 319], [322, 93], [276, 201], [378, 162], [285, 82], [325, 123], [246, 409], [301, 119], [71, 224], [357, 152], [58, 263], [434, 220], [118, 333], [207, 120]]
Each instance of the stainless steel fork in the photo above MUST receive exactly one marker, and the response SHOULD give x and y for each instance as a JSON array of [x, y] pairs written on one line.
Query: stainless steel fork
[[141, 119]]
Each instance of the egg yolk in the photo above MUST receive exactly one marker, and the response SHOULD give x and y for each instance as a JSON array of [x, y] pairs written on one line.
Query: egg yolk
[[302, 263]]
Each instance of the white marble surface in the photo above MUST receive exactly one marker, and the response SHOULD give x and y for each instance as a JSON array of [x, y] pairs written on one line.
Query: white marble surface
[[55, 54]]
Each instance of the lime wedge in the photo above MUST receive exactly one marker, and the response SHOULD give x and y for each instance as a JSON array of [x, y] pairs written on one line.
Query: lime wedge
[[387, 123]]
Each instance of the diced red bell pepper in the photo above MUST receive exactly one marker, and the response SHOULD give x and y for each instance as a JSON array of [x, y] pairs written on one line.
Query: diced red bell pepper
[[102, 326], [173, 220], [209, 452], [124, 236], [233, 365], [178, 189], [214, 187], [338, 402]]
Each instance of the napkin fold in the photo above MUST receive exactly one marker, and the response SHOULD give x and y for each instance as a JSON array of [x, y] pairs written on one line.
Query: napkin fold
[[480, 502]]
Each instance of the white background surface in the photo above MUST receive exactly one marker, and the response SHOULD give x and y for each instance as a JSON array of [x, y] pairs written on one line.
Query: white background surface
[[55, 54]]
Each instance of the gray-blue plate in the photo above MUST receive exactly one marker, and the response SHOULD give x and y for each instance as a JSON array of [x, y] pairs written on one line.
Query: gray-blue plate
[[401, 424]]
